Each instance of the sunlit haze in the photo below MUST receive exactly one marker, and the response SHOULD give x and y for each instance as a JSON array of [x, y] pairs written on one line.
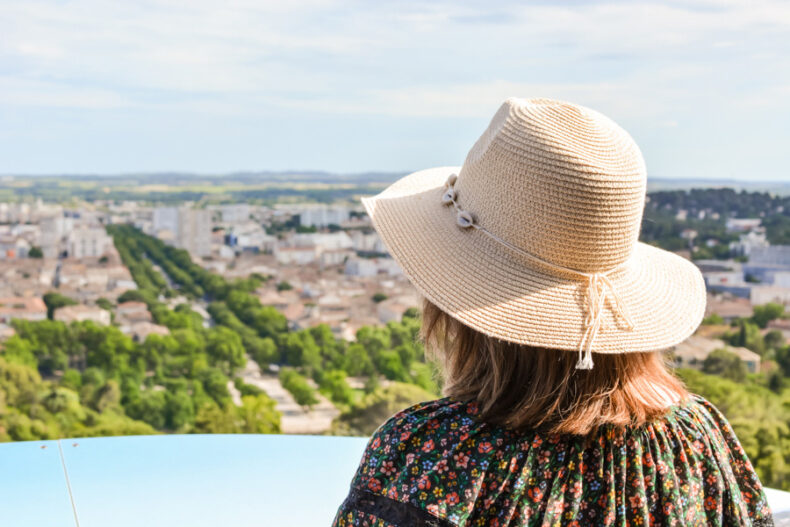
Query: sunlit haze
[[106, 87]]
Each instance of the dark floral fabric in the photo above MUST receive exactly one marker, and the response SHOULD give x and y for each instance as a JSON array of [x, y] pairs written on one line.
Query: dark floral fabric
[[438, 460]]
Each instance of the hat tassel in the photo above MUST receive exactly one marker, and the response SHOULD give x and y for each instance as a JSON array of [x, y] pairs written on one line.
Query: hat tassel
[[597, 288]]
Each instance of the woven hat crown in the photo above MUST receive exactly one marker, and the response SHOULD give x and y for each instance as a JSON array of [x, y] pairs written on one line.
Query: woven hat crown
[[559, 181]]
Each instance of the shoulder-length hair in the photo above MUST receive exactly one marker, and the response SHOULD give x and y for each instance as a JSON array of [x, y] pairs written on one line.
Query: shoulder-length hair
[[525, 387]]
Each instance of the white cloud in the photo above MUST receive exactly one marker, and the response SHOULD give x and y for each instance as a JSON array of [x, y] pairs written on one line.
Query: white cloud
[[652, 65]]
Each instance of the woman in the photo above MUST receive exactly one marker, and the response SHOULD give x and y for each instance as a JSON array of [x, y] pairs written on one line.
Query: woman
[[550, 318]]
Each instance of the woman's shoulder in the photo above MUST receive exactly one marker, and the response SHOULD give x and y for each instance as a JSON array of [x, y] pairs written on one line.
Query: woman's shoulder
[[439, 458], [430, 416], [696, 415]]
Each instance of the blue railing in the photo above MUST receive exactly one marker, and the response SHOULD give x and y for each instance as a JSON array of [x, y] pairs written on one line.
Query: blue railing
[[174, 480]]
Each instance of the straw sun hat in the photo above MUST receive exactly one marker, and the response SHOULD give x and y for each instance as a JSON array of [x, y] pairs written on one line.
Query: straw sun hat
[[534, 240]]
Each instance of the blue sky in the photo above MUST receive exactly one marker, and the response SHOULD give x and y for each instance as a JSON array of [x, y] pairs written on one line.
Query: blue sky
[[94, 86]]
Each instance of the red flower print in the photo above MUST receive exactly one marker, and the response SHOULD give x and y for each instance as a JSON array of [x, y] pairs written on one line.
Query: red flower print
[[485, 447], [388, 468], [535, 494], [461, 459], [456, 467], [374, 485]]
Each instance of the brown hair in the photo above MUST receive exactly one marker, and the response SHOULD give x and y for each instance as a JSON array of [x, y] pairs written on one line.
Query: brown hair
[[525, 387]]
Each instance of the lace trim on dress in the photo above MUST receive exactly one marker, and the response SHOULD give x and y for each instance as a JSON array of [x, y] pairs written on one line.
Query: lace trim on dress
[[391, 511]]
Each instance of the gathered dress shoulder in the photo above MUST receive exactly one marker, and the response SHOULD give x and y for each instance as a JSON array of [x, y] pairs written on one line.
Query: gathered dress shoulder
[[437, 464]]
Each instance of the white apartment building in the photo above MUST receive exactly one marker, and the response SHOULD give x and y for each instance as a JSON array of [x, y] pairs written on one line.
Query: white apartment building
[[323, 241], [54, 228], [184, 227], [742, 224], [775, 255], [236, 213], [165, 219], [88, 242], [748, 242], [372, 267], [194, 231], [323, 216], [367, 242]]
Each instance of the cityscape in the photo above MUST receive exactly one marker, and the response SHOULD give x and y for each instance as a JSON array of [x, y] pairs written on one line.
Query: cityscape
[[204, 312]]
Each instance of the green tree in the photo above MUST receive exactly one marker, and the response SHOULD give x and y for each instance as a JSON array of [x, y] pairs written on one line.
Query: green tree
[[766, 313], [225, 349], [712, 320], [302, 392], [334, 385], [35, 252], [748, 336], [726, 364], [149, 407], [774, 339], [379, 297], [390, 365], [19, 350], [104, 304], [179, 410], [212, 418], [358, 361], [375, 408], [55, 300], [258, 415], [216, 385]]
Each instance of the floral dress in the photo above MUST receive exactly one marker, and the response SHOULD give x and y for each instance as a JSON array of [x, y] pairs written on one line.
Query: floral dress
[[436, 464]]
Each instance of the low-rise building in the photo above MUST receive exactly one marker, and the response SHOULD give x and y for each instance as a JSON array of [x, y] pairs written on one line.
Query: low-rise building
[[782, 325], [133, 311], [139, 331], [728, 307], [742, 224], [335, 257], [366, 267], [692, 353], [296, 255], [22, 308], [82, 313], [392, 309], [763, 294]]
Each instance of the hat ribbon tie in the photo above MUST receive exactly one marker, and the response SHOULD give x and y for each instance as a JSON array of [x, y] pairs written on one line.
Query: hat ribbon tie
[[599, 287]]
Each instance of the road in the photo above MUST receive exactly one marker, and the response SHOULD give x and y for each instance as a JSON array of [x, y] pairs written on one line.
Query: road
[[295, 419]]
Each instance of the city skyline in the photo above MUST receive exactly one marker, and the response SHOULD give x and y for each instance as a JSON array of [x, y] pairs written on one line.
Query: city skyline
[[94, 87]]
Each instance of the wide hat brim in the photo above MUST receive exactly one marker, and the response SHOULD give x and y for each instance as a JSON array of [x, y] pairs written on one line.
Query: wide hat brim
[[501, 293]]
